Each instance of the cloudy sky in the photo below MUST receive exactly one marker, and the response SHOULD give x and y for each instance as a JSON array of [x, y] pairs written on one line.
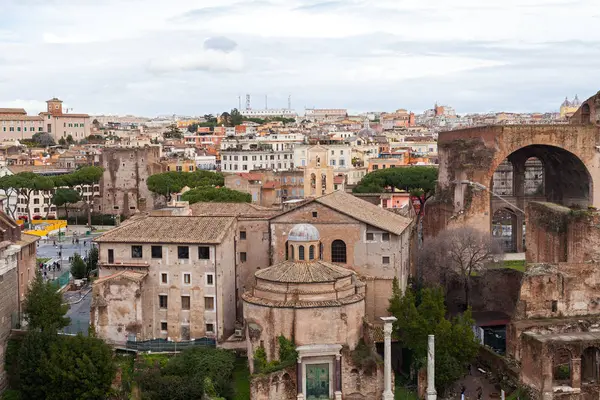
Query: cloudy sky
[[150, 57]]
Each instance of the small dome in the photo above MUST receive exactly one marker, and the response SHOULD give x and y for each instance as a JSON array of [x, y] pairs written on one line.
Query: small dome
[[304, 233]]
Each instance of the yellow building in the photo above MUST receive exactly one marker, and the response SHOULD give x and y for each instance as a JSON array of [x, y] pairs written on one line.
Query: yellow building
[[180, 165], [568, 108]]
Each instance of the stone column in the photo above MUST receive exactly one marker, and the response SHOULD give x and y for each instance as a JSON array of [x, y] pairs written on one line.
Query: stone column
[[338, 377], [576, 373], [387, 357], [431, 393], [299, 385]]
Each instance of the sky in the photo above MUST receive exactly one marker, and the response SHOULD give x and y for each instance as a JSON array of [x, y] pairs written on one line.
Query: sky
[[192, 57]]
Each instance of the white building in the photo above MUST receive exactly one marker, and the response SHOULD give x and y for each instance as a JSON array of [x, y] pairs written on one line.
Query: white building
[[339, 156], [264, 157], [325, 114], [269, 113]]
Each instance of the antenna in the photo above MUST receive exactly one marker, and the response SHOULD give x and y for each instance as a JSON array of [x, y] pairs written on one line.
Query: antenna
[[247, 102], [290, 102], [266, 104], [240, 103]]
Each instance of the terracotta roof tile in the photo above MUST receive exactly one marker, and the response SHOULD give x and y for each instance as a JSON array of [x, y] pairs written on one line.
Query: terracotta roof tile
[[169, 229], [232, 210], [13, 111], [303, 272], [365, 212]]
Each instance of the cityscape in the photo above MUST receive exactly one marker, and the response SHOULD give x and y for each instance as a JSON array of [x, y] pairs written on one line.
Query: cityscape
[[299, 200]]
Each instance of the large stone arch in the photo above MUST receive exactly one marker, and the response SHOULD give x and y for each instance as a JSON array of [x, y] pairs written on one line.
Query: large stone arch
[[474, 155]]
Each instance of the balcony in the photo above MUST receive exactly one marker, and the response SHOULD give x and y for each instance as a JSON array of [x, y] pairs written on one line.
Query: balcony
[[119, 264]]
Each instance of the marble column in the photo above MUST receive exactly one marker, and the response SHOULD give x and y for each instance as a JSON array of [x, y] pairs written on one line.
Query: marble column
[[338, 377], [431, 393], [387, 357], [576, 373], [299, 385]]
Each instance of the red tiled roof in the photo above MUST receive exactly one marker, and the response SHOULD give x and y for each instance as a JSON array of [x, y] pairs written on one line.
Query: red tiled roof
[[338, 179], [272, 185], [250, 176]]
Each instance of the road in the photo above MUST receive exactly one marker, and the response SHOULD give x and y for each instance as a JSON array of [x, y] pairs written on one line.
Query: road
[[47, 249], [80, 314]]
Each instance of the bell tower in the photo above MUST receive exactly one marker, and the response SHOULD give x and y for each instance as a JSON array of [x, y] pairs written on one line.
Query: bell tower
[[55, 106]]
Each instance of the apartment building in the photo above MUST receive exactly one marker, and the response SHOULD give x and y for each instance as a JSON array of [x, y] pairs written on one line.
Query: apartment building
[[339, 156], [175, 277], [61, 125], [325, 114], [262, 157], [15, 124]]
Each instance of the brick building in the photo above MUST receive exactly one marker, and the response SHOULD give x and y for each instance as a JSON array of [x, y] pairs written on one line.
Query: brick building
[[123, 185]]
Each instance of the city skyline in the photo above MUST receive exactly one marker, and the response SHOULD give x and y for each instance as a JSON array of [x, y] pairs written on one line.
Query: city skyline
[[189, 57]]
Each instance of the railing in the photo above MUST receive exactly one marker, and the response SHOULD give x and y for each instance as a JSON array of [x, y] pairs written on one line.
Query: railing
[[163, 345]]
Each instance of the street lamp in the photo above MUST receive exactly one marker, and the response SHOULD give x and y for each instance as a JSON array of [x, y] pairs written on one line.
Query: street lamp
[[479, 186]]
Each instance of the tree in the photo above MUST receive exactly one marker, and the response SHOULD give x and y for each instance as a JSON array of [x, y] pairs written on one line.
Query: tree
[[419, 181], [92, 260], [211, 119], [78, 267], [43, 139], [174, 181], [70, 139], [173, 133], [43, 308], [89, 175], [64, 197], [421, 314], [8, 186], [236, 117], [62, 142], [459, 251], [193, 128], [216, 195]]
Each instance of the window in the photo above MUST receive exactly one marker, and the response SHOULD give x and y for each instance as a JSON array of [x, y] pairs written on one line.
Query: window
[[163, 301], [243, 256], [301, 253], [156, 251], [111, 256], [242, 235], [183, 252], [314, 214], [338, 251], [136, 251], [209, 303], [187, 279], [185, 302], [554, 305], [210, 280], [385, 237], [370, 236], [203, 252], [311, 252], [210, 328], [164, 278], [385, 260], [163, 326]]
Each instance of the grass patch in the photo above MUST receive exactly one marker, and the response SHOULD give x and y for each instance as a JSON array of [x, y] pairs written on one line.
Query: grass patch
[[42, 260], [149, 360], [403, 393], [518, 265], [241, 379]]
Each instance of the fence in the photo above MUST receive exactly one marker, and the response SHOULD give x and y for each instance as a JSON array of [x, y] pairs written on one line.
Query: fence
[[163, 345], [62, 280]]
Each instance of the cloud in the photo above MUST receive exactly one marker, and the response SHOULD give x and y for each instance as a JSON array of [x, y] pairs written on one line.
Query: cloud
[[220, 43], [32, 107], [206, 60]]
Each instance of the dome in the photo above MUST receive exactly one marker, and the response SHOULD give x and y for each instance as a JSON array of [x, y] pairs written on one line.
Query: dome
[[566, 103], [304, 233], [576, 102]]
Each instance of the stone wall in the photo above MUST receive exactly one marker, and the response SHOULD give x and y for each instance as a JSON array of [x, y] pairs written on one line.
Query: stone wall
[[123, 184], [358, 383], [279, 385], [8, 306]]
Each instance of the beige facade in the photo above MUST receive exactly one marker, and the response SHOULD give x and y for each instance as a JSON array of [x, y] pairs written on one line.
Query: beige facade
[[185, 283], [123, 184], [15, 124], [376, 242], [318, 174], [61, 125]]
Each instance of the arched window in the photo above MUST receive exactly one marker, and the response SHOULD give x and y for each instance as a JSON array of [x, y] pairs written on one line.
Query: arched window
[[292, 253], [311, 252], [301, 253], [287, 251], [338, 251]]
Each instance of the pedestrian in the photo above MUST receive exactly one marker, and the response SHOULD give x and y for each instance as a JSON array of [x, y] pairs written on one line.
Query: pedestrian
[[45, 275], [479, 393], [463, 389]]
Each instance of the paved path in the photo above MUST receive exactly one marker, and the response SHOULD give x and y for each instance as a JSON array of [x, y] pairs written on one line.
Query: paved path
[[514, 256], [79, 313]]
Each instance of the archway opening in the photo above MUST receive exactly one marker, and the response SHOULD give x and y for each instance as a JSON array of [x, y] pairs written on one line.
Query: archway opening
[[535, 173], [504, 229], [561, 368], [590, 366]]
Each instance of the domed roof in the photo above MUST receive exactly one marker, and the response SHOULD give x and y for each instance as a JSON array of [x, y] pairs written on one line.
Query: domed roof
[[566, 103], [316, 271], [576, 102], [304, 233]]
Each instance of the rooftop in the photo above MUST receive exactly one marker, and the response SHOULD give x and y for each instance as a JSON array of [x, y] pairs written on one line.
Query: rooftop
[[232, 210], [365, 212], [317, 271], [169, 229]]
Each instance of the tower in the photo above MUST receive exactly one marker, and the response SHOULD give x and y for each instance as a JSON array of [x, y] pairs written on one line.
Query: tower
[[54, 106], [290, 102], [247, 102]]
